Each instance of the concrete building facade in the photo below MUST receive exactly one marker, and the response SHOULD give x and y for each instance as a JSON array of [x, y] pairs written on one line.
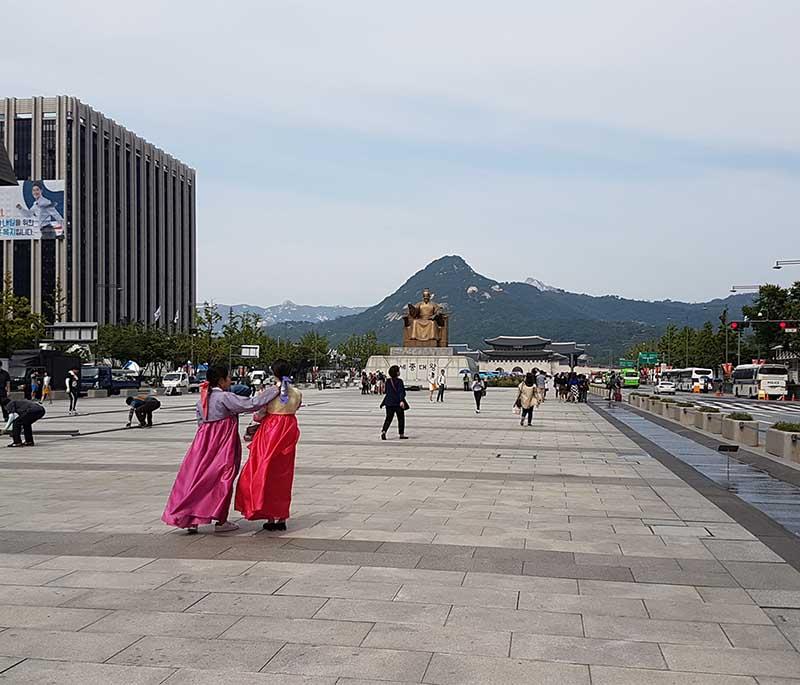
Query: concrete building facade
[[130, 243]]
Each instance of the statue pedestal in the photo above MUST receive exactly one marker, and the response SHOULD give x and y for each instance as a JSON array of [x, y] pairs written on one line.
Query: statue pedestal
[[416, 364]]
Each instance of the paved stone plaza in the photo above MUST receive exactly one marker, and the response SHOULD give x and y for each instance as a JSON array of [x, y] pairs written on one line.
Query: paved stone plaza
[[477, 552]]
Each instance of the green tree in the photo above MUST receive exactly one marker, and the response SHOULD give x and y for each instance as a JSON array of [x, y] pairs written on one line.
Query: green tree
[[775, 303], [357, 349], [208, 348], [311, 350], [20, 328]]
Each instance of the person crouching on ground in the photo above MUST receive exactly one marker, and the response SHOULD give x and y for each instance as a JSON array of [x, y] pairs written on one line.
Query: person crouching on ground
[[395, 403], [264, 490], [24, 413], [204, 486], [143, 406]]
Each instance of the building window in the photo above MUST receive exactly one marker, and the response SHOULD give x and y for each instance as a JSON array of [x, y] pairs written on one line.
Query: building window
[[22, 149], [22, 268], [49, 149]]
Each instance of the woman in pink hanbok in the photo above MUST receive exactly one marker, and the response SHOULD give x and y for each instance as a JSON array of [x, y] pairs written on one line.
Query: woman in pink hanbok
[[204, 485]]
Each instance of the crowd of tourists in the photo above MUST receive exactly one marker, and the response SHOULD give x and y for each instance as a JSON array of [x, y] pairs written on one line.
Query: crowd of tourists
[[571, 386], [373, 383]]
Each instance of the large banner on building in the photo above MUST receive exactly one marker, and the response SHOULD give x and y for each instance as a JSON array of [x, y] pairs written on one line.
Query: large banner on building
[[32, 210]]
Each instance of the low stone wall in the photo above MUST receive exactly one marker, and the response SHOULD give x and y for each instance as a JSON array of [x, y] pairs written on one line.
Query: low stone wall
[[741, 432]]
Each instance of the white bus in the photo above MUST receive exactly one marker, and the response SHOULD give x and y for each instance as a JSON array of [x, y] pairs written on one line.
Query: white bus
[[689, 379], [749, 379]]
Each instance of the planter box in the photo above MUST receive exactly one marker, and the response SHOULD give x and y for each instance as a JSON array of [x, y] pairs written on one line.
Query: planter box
[[741, 432], [713, 423], [703, 419], [673, 412], [687, 416], [784, 445], [657, 407]]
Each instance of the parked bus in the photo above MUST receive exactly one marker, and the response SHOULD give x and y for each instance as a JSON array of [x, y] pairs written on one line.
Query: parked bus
[[689, 379], [750, 379], [630, 378]]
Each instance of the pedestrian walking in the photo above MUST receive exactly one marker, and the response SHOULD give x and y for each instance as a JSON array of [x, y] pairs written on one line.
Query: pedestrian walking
[[442, 383], [478, 391], [264, 490], [526, 400], [395, 404], [47, 390], [541, 386], [204, 485], [5, 388], [22, 414], [73, 386], [143, 407]]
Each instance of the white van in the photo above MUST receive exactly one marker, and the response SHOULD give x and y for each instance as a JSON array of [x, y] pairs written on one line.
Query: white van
[[176, 382], [750, 379]]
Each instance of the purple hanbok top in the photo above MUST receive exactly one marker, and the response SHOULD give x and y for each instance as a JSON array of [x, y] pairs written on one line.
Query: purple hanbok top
[[222, 404]]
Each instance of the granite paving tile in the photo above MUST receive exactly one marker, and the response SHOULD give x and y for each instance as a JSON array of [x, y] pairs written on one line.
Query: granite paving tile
[[215, 655], [582, 604], [580, 650], [116, 581], [732, 661], [354, 662], [26, 595], [191, 676], [651, 630], [172, 624], [300, 630], [386, 612], [609, 675], [448, 639], [450, 669], [539, 622], [258, 605], [756, 637], [38, 672], [442, 594], [48, 618], [62, 645], [343, 589], [145, 600], [711, 612], [523, 583], [763, 575]]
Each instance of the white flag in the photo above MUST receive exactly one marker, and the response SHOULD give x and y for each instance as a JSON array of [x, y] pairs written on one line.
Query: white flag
[[157, 314], [177, 317]]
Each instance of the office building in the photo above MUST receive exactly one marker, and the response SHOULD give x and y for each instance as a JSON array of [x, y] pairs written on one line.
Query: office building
[[128, 251]]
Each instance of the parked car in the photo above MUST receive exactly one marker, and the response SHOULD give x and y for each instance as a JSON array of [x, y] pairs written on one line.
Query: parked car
[[175, 382], [665, 388], [101, 377], [194, 384]]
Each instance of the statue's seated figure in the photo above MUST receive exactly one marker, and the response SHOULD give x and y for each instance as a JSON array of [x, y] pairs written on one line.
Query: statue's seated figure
[[425, 325]]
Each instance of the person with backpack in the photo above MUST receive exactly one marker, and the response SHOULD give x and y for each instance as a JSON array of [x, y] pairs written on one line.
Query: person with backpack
[[526, 399]]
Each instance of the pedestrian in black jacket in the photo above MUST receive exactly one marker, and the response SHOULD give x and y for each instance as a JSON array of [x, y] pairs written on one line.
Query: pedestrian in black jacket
[[395, 403], [28, 413]]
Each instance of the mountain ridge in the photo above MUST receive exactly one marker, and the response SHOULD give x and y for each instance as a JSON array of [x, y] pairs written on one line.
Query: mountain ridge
[[481, 307]]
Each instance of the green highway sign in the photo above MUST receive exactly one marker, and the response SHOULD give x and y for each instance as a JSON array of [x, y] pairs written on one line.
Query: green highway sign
[[648, 358], [627, 364]]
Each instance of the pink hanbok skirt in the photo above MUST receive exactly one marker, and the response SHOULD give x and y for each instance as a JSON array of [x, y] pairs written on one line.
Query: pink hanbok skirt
[[204, 485]]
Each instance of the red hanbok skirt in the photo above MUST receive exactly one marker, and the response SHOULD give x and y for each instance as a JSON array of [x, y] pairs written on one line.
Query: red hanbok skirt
[[264, 490], [204, 485]]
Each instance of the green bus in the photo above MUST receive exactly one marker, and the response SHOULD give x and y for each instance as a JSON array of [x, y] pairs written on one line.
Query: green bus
[[630, 378]]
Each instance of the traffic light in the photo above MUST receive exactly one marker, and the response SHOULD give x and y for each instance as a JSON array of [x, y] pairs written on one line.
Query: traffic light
[[788, 326], [739, 325]]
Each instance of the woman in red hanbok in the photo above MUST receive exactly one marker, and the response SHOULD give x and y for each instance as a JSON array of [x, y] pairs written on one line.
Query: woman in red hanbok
[[264, 490]]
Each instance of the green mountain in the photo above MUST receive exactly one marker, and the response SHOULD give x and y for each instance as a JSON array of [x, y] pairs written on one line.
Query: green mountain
[[482, 308]]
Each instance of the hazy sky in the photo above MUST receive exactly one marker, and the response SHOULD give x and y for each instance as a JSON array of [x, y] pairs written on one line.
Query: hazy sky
[[645, 148]]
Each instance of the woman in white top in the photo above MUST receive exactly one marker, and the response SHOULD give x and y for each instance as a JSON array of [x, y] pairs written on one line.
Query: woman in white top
[[478, 390], [432, 385]]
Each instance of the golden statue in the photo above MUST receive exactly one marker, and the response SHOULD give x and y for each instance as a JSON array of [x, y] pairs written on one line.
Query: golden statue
[[425, 325]]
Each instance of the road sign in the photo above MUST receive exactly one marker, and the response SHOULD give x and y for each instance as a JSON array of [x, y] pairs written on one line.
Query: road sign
[[252, 351], [627, 364], [648, 358]]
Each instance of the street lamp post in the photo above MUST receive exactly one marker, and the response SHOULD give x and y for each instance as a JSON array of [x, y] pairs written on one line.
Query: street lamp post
[[779, 264], [736, 289]]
